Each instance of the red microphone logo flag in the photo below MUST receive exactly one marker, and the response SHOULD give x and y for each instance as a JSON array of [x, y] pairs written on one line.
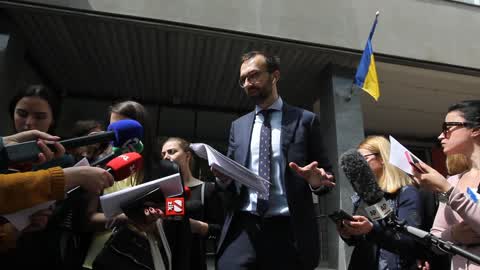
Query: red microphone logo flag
[[175, 207], [125, 165]]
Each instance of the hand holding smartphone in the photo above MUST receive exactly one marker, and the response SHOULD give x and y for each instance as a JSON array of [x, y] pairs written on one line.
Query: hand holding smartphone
[[417, 167], [414, 162], [340, 215]]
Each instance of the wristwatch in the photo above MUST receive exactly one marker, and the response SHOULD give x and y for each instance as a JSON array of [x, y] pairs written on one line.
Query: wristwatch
[[443, 196]]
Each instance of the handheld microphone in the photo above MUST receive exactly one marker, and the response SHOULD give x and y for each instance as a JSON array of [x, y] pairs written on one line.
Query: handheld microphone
[[174, 208], [133, 145], [120, 168], [364, 183], [124, 165], [118, 132], [440, 244]]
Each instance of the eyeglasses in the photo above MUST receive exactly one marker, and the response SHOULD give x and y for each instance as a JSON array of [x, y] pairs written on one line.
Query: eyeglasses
[[367, 155], [446, 126], [253, 78]]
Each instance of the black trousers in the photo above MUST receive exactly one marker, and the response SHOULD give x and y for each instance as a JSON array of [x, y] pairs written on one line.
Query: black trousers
[[254, 242]]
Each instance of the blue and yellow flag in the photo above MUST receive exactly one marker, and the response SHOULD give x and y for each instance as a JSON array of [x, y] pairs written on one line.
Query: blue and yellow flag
[[366, 76]]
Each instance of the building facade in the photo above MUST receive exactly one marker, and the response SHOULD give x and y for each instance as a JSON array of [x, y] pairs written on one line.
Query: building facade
[[180, 58]]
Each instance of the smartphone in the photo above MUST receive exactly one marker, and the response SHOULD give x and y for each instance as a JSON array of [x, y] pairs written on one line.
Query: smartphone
[[414, 162], [340, 215], [417, 168]]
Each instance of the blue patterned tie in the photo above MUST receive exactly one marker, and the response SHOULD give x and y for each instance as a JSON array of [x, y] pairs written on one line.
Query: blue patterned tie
[[264, 156]]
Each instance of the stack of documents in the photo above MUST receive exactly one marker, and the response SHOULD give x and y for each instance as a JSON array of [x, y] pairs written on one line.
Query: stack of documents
[[231, 168]]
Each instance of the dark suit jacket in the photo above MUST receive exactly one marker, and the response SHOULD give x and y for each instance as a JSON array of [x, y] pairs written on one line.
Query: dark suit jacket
[[301, 142]]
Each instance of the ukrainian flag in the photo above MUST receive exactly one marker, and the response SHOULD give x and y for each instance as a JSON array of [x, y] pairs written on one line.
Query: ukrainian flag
[[366, 76]]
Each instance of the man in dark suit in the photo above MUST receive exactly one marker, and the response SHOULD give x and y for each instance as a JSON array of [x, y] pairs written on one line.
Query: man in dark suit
[[275, 140]]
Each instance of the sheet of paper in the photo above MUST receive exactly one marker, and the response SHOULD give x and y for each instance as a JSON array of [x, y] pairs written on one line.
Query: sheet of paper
[[82, 162], [401, 157], [21, 219], [231, 168], [111, 203]]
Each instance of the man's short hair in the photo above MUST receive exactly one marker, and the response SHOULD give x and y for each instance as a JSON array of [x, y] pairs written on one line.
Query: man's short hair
[[273, 61]]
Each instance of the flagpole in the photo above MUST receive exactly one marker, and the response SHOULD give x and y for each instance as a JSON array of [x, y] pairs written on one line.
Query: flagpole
[[349, 97]]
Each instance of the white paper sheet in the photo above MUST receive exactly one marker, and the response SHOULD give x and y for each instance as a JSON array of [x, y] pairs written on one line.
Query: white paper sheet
[[111, 203], [231, 168], [21, 219], [401, 157]]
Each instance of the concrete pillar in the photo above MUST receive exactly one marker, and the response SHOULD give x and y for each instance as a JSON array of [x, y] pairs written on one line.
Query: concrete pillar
[[342, 122]]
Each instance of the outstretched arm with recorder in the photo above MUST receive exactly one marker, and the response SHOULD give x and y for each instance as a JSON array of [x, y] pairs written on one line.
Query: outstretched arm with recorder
[[44, 185], [40, 138]]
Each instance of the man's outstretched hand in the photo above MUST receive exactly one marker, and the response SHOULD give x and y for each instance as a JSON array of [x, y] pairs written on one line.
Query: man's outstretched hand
[[316, 177]]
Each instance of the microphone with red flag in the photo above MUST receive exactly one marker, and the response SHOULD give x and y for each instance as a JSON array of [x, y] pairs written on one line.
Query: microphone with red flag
[[120, 168], [174, 207], [124, 165]]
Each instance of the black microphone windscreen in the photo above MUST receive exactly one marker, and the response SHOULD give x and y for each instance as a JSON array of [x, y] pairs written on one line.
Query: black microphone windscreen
[[163, 168], [361, 177]]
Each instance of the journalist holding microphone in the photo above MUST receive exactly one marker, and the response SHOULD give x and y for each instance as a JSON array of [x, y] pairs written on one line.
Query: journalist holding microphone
[[98, 256], [377, 245], [458, 216]]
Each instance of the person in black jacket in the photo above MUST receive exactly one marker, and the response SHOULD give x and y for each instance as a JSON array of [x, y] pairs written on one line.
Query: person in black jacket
[[378, 246]]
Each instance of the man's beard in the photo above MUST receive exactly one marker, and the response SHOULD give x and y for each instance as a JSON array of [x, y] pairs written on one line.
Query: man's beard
[[262, 95]]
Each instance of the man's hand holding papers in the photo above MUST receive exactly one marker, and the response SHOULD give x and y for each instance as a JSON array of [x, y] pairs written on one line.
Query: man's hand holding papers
[[225, 169]]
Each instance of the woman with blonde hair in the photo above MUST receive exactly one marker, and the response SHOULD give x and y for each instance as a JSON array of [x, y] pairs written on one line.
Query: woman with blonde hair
[[377, 246], [376, 150]]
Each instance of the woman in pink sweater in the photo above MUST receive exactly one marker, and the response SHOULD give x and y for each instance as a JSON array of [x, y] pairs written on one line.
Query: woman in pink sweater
[[458, 217]]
